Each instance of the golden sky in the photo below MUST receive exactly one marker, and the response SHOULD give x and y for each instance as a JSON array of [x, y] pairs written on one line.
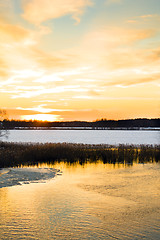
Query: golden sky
[[80, 59]]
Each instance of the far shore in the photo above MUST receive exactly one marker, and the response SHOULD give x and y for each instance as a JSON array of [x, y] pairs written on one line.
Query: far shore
[[85, 128]]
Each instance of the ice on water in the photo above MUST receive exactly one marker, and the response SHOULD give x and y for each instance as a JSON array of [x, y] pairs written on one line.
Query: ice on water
[[18, 176]]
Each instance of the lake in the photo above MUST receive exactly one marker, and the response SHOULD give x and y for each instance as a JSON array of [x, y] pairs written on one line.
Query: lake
[[90, 201], [86, 136], [93, 201]]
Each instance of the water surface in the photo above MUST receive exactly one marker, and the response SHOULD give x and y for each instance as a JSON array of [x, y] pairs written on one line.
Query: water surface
[[94, 201]]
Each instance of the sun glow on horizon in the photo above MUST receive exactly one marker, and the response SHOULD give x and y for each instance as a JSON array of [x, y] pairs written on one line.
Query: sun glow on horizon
[[41, 117]]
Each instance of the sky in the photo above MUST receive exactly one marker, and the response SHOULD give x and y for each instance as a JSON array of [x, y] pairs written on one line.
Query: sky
[[65, 60]]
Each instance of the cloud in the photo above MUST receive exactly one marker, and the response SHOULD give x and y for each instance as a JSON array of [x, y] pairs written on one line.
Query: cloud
[[132, 78], [59, 76], [113, 48], [38, 11], [16, 32], [47, 60], [3, 69], [149, 19], [155, 55], [30, 94], [114, 36], [11, 31], [132, 58], [136, 81], [42, 109], [13, 34], [50, 78], [131, 21], [147, 16]]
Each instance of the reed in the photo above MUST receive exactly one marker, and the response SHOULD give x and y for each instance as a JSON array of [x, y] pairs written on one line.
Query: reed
[[16, 154]]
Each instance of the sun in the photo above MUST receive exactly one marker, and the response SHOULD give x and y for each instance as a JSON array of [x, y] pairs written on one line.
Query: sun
[[42, 117]]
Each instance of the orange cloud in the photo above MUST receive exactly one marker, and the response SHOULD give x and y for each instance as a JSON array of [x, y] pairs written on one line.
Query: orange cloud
[[111, 48], [3, 68], [47, 60], [155, 55], [38, 11], [128, 57], [17, 33], [114, 36], [134, 80], [151, 19]]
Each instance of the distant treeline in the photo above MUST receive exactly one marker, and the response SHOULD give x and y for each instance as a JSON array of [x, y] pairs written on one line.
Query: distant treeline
[[102, 123], [16, 154]]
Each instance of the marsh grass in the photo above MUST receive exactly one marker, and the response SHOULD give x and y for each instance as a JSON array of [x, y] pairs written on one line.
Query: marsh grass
[[16, 154]]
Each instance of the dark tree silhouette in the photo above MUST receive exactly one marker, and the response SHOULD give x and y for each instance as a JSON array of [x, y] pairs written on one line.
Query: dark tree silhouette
[[3, 131]]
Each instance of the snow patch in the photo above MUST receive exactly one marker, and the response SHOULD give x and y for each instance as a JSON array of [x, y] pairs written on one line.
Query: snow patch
[[19, 176]]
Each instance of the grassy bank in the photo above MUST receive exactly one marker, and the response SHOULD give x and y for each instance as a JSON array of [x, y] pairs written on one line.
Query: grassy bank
[[15, 154]]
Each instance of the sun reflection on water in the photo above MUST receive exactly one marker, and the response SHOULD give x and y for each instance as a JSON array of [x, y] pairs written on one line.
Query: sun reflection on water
[[91, 201]]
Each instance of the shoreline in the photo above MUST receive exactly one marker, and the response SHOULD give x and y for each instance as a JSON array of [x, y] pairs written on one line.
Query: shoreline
[[16, 154], [83, 128]]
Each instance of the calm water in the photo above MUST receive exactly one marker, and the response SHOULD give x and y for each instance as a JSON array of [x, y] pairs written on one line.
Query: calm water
[[94, 201], [85, 136]]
